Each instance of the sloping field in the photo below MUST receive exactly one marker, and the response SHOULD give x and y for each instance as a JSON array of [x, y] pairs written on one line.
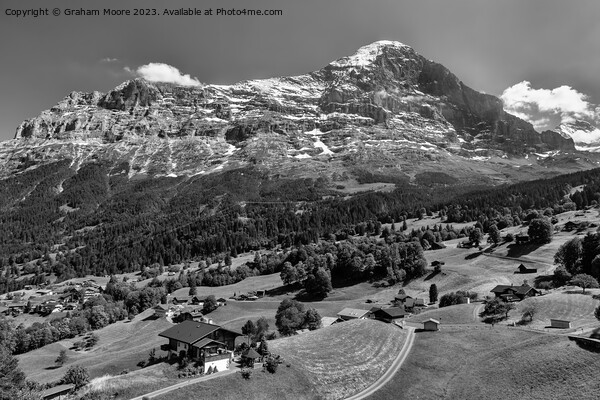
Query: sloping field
[[494, 363], [566, 304], [344, 358], [458, 314], [121, 346]]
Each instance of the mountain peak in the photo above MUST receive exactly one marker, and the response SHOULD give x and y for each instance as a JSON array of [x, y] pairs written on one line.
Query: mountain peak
[[367, 54]]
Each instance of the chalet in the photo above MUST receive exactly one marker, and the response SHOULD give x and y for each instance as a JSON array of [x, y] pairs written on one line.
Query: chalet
[[514, 293], [419, 302], [162, 310], [352, 313], [16, 308], [389, 314], [197, 300], [209, 344], [191, 315], [524, 270], [59, 392], [181, 300], [522, 238], [328, 321], [402, 297], [431, 325], [436, 263], [44, 292], [570, 225]]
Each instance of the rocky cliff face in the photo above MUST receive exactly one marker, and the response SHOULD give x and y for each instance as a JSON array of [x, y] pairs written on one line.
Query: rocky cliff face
[[386, 106], [586, 136]]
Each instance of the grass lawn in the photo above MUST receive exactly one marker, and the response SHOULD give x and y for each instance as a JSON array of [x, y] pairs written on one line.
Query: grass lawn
[[458, 314], [568, 304], [121, 346], [345, 358], [494, 363], [286, 383]]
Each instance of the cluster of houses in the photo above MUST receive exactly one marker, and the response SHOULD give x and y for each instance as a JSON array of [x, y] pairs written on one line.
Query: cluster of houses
[[513, 293], [47, 301], [185, 308]]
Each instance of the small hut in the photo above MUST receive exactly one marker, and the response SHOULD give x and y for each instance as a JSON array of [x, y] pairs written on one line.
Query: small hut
[[249, 357], [431, 325]]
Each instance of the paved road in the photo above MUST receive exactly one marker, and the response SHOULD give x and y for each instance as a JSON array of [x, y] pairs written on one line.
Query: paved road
[[389, 374]]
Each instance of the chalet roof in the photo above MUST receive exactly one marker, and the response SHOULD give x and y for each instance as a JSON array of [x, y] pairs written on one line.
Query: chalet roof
[[409, 302], [402, 297], [419, 302], [352, 313], [327, 321], [57, 389], [164, 307], [522, 290], [392, 312], [251, 353], [189, 331], [433, 320], [181, 299]]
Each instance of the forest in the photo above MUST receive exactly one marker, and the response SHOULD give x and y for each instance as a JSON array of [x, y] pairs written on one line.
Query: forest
[[101, 223]]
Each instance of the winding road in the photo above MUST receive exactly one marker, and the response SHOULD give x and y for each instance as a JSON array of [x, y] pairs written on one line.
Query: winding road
[[389, 374]]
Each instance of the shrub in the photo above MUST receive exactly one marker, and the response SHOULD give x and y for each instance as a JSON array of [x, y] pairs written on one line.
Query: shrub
[[271, 364], [246, 373]]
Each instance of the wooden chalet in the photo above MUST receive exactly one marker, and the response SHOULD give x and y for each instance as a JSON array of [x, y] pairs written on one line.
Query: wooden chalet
[[209, 344], [522, 269], [352, 313], [512, 293], [389, 314]]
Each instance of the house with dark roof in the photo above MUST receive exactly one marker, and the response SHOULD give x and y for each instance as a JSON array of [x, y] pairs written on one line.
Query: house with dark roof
[[522, 269], [522, 238], [208, 344], [514, 293], [389, 314]]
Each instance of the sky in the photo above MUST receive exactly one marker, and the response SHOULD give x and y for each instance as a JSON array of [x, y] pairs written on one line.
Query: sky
[[541, 56]]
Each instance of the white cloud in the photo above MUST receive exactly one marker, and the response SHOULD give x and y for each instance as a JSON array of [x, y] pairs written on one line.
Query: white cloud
[[159, 72], [541, 107], [109, 60]]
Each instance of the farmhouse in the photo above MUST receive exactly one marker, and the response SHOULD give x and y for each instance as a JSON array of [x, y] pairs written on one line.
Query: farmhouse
[[161, 310], [352, 313], [514, 293], [209, 344], [431, 325], [389, 314], [524, 270]]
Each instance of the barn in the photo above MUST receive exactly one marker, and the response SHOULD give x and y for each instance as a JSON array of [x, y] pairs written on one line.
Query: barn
[[389, 314], [560, 323], [431, 325]]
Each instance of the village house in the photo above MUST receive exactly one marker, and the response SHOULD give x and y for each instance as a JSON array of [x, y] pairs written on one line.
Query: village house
[[512, 293], [352, 313], [522, 238], [522, 269], [389, 314], [208, 344]]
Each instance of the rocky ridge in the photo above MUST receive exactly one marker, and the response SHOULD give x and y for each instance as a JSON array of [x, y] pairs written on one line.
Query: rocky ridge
[[385, 108]]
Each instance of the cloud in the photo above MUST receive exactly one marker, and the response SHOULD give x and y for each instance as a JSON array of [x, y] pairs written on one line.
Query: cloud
[[109, 60], [159, 72], [544, 108]]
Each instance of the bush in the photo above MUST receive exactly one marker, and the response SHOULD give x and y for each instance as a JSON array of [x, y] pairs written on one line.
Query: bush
[[271, 364], [246, 373]]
